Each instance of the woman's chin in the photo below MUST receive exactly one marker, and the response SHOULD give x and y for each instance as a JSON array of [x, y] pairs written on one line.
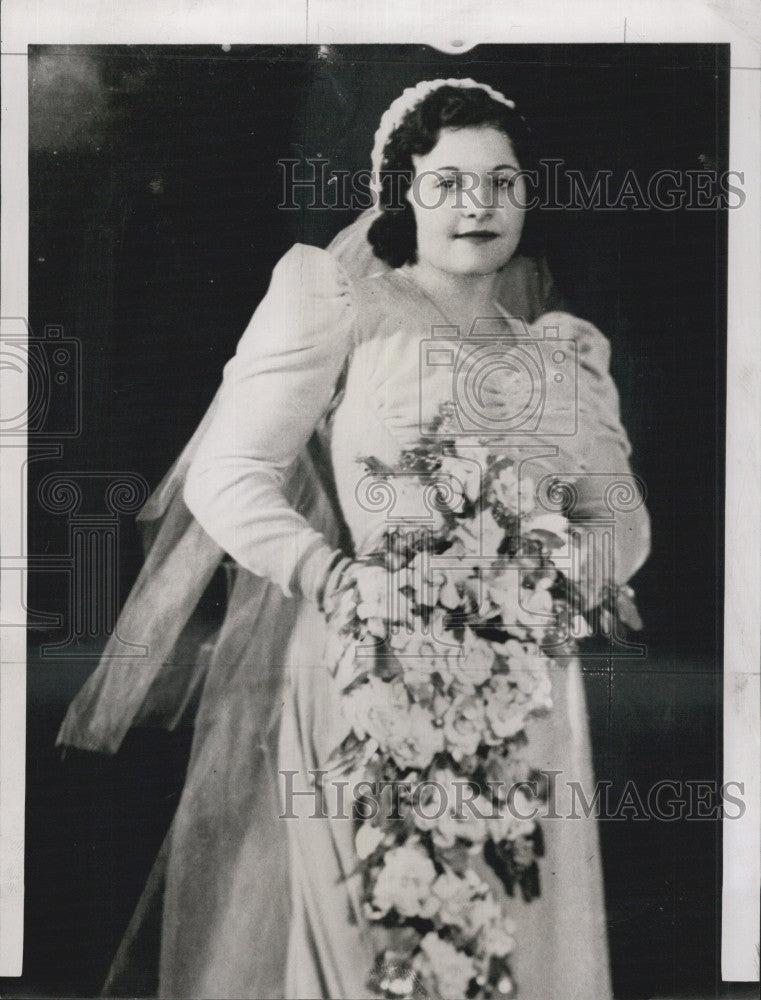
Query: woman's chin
[[464, 260], [480, 268], [480, 260]]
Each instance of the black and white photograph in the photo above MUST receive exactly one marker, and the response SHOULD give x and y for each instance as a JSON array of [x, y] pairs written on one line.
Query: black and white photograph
[[376, 468]]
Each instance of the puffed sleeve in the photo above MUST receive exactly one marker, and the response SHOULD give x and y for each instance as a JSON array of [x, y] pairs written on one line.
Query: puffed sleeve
[[584, 442], [598, 454], [274, 391]]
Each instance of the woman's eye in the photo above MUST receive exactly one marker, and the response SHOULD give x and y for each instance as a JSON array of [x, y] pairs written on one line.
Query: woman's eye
[[503, 182]]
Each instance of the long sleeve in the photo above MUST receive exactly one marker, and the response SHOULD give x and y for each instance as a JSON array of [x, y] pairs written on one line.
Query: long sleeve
[[598, 453], [583, 440], [275, 390]]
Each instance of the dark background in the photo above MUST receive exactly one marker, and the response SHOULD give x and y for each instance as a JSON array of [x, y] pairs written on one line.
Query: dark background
[[153, 231]]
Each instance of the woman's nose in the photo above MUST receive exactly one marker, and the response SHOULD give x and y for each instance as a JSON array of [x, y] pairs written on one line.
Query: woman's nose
[[479, 199], [475, 211]]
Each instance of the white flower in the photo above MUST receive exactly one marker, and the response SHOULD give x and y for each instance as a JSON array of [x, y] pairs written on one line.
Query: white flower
[[516, 494], [480, 454], [464, 723], [480, 536], [404, 883], [497, 938], [414, 740], [367, 839], [400, 638], [504, 591], [476, 662], [463, 477], [451, 969], [372, 583], [483, 912], [529, 672], [373, 708], [520, 606], [465, 819], [410, 502], [554, 524], [446, 806], [425, 581], [456, 897], [455, 580], [422, 659], [580, 627], [514, 818], [536, 602], [505, 712], [513, 651]]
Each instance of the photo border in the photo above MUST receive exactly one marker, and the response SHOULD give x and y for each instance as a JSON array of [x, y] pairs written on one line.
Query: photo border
[[452, 28]]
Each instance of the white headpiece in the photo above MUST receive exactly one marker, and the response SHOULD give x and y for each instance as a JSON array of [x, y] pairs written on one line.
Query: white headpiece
[[394, 115]]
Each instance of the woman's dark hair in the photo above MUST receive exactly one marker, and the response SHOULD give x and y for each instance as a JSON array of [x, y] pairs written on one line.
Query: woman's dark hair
[[393, 234]]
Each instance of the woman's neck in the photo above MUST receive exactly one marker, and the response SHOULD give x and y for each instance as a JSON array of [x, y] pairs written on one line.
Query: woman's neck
[[460, 297]]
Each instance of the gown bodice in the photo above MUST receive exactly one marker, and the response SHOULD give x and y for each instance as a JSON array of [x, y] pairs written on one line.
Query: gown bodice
[[404, 359], [407, 359], [391, 394]]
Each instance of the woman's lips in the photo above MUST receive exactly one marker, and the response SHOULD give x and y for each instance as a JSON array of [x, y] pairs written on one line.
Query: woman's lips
[[477, 237]]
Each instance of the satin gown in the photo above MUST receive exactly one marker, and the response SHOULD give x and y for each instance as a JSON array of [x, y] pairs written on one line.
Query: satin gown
[[277, 390], [254, 904]]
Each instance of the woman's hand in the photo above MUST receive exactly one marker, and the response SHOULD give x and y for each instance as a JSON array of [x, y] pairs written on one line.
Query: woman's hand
[[340, 578], [587, 572], [595, 583]]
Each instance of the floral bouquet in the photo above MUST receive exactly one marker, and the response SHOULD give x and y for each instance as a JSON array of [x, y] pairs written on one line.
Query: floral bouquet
[[445, 632]]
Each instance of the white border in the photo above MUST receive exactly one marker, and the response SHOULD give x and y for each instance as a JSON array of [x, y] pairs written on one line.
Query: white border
[[13, 305], [439, 23]]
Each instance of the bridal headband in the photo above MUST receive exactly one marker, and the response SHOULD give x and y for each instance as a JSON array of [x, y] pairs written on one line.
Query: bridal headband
[[395, 114]]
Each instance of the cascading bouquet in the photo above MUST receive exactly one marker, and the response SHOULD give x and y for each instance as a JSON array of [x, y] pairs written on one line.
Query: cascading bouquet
[[445, 633]]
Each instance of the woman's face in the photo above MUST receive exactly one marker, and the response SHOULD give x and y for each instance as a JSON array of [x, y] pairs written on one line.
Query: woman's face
[[467, 201]]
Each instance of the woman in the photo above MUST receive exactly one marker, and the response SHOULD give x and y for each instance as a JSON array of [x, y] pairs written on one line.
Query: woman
[[341, 357]]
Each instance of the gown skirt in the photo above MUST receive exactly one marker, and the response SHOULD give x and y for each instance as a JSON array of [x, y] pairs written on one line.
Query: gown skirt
[[260, 900], [561, 937]]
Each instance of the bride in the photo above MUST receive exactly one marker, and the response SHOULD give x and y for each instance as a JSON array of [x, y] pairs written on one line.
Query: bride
[[261, 895]]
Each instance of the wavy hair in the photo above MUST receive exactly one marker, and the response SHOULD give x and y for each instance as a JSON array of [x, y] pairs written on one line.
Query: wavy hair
[[393, 234]]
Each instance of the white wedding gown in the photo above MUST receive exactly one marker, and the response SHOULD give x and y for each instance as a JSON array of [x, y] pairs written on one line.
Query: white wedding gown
[[278, 388], [255, 905]]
